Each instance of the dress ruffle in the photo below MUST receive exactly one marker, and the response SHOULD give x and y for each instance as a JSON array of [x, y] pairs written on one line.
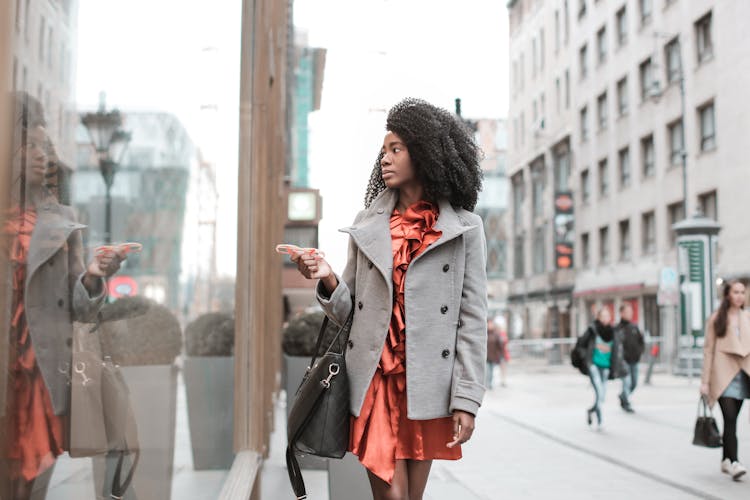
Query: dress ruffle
[[36, 433], [382, 433]]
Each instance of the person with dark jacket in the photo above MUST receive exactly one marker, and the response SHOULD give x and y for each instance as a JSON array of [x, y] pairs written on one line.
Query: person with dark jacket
[[604, 358], [633, 346]]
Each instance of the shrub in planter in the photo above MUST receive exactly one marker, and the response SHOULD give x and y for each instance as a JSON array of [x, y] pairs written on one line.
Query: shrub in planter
[[209, 385], [144, 338], [211, 334]]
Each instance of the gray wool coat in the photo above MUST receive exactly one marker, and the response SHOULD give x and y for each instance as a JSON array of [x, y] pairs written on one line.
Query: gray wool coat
[[445, 302], [55, 296]]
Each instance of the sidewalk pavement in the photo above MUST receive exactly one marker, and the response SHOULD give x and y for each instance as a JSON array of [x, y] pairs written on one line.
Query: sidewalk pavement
[[532, 442]]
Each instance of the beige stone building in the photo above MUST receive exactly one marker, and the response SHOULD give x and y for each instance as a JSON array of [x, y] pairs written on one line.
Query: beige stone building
[[603, 78]]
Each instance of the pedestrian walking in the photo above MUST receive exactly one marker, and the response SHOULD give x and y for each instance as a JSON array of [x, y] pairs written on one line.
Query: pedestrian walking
[[413, 400], [726, 365], [497, 353], [604, 359], [633, 346]]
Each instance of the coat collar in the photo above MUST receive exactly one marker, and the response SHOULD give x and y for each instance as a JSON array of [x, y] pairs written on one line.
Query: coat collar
[[372, 232], [52, 229], [729, 343]]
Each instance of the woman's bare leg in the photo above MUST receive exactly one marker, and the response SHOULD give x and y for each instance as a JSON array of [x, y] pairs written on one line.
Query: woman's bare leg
[[397, 490], [419, 471]]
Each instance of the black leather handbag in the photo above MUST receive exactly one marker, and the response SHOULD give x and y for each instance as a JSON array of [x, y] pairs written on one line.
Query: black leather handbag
[[706, 431], [318, 422]]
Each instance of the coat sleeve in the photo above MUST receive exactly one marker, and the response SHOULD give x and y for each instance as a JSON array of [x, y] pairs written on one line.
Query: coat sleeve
[[84, 307], [338, 304], [471, 339], [709, 348]]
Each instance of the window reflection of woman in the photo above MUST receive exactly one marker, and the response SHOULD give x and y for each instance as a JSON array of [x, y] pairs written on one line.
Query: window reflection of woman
[[50, 289]]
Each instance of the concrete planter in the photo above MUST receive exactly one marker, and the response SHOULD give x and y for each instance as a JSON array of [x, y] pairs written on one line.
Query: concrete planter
[[294, 370], [153, 392], [209, 387]]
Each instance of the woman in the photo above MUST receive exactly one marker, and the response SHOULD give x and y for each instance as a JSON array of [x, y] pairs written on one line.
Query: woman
[[603, 358], [50, 288], [417, 348], [726, 365]]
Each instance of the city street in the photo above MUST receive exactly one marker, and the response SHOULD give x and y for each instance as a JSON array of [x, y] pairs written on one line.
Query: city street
[[532, 442]]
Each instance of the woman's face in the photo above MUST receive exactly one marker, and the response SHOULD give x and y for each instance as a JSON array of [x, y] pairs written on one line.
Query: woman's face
[[34, 155], [396, 166], [604, 317], [737, 295]]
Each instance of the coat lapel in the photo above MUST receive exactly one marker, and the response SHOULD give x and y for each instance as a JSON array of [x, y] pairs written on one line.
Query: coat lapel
[[730, 343], [50, 234], [449, 224]]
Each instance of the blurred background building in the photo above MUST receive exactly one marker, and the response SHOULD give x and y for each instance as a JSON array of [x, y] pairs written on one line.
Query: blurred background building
[[597, 111]]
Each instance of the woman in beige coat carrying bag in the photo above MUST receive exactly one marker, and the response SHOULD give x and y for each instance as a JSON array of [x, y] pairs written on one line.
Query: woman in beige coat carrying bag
[[726, 365]]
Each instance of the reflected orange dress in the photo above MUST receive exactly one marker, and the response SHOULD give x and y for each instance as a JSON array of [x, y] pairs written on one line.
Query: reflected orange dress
[[382, 433], [36, 433]]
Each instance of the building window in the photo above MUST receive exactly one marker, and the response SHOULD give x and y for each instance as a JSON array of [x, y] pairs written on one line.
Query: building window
[[538, 249], [675, 213], [601, 44], [601, 111], [533, 57], [567, 89], [534, 111], [523, 128], [708, 127], [518, 196], [562, 167], [622, 26], [604, 245], [585, 250], [518, 263], [648, 226], [15, 73], [582, 61], [622, 96], [647, 78], [673, 60], [521, 72], [50, 46], [647, 156], [676, 144], [537, 190], [708, 204], [26, 22], [624, 167], [703, 41], [603, 178], [645, 9], [558, 96], [581, 8], [624, 239], [584, 124], [541, 50], [557, 31], [18, 16], [542, 110], [585, 186]]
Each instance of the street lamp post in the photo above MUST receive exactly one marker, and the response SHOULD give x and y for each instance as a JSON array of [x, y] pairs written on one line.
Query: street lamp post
[[110, 143]]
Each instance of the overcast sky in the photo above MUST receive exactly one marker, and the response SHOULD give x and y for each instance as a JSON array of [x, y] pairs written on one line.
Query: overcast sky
[[150, 55]]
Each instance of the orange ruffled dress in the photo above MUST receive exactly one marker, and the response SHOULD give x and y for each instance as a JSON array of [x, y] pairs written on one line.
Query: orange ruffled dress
[[382, 433], [36, 433]]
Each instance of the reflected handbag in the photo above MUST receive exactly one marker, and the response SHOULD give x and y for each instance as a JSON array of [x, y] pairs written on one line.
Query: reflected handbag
[[706, 431], [101, 414], [318, 422]]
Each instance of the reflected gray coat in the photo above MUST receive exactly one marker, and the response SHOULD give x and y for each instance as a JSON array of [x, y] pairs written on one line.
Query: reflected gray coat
[[446, 310], [55, 296]]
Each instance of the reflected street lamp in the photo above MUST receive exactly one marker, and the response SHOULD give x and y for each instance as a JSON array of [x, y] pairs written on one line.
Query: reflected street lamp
[[110, 143]]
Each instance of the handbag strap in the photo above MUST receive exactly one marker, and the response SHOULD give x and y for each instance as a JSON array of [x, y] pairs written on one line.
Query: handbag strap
[[119, 489], [295, 474], [703, 405], [321, 334]]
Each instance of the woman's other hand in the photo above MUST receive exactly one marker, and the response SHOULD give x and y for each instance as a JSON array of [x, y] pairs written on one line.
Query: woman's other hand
[[463, 427], [704, 389]]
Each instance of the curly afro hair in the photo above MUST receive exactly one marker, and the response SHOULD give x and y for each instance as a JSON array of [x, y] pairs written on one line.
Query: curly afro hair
[[442, 150]]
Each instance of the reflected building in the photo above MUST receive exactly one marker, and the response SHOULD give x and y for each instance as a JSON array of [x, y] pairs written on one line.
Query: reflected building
[[148, 202], [44, 60]]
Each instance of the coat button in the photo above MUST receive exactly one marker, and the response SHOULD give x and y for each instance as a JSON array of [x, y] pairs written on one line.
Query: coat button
[[460, 323], [360, 305], [61, 302], [51, 262], [445, 353], [445, 268], [350, 344], [380, 210], [444, 309], [369, 265]]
